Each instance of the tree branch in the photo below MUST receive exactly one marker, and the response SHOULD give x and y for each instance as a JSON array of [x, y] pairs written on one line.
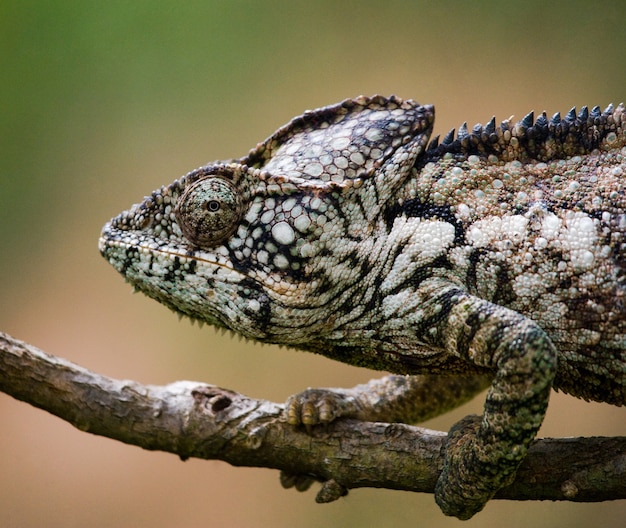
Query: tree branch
[[193, 419]]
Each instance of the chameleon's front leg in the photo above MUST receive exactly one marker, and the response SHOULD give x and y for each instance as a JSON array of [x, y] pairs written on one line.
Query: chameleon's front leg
[[483, 453], [393, 398]]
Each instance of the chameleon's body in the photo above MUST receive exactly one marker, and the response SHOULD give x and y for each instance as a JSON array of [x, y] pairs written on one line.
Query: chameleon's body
[[499, 254]]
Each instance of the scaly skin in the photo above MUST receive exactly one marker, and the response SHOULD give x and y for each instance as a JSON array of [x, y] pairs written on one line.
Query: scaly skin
[[495, 258]]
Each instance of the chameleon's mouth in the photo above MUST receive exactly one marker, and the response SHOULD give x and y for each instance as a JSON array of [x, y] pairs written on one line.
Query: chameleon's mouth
[[122, 249]]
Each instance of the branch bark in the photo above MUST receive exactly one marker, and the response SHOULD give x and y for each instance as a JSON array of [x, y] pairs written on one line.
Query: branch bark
[[193, 419]]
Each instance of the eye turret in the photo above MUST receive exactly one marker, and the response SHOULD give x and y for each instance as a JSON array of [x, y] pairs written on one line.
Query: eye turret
[[209, 211]]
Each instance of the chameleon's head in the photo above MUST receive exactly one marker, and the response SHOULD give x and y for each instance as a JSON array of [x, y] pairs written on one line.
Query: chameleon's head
[[270, 245]]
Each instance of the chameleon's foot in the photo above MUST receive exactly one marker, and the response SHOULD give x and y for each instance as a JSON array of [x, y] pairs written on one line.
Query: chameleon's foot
[[468, 480], [331, 490], [319, 407]]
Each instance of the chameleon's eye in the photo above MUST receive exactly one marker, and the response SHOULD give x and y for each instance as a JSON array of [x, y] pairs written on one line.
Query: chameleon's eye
[[208, 211]]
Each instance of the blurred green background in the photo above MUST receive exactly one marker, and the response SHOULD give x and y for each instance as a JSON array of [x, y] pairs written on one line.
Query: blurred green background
[[100, 103]]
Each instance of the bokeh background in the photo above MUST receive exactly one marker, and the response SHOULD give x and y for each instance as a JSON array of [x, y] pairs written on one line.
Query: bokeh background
[[102, 102]]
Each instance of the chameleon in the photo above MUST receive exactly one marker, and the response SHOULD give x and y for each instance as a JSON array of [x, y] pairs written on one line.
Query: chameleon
[[492, 259]]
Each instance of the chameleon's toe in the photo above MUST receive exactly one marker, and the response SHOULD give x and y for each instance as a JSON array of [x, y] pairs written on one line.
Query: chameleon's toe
[[297, 481]]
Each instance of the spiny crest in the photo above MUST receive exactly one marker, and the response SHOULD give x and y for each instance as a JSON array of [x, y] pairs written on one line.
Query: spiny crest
[[542, 139]]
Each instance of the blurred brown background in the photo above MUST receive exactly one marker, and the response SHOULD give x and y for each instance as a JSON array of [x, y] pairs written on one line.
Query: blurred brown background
[[100, 103]]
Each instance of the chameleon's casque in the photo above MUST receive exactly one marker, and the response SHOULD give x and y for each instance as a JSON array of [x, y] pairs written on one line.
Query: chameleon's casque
[[496, 254]]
